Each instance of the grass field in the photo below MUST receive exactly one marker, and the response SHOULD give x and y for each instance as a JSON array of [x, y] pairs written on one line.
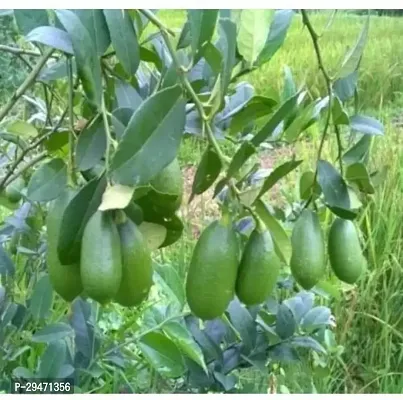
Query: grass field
[[370, 320]]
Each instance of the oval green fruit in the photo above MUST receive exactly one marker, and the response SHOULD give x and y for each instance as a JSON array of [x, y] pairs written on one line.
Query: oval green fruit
[[308, 250], [259, 269], [137, 269], [13, 190], [101, 262], [65, 279], [212, 274], [167, 188], [345, 253]]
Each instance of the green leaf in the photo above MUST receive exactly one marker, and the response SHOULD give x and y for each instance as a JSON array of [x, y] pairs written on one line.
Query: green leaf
[[213, 57], [75, 217], [184, 341], [333, 186], [6, 264], [94, 22], [172, 282], [65, 371], [357, 173], [359, 152], [308, 342], [278, 31], [352, 58], [116, 197], [339, 114], [22, 128], [184, 39], [202, 25], [57, 141], [151, 139], [52, 359], [344, 88], [277, 174], [48, 181], [316, 318], [308, 186], [290, 88], [282, 112], [162, 354], [124, 39], [127, 96], [91, 145], [282, 243], [27, 20], [52, 333], [285, 322], [88, 63], [53, 37], [257, 107], [227, 46], [55, 70], [245, 151], [243, 323], [120, 118], [366, 125], [253, 30], [22, 372], [42, 298], [207, 172], [154, 234]]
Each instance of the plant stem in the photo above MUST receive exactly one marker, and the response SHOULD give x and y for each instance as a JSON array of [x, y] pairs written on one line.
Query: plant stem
[[72, 137], [28, 165], [339, 148], [109, 139], [18, 51], [31, 147], [29, 80]]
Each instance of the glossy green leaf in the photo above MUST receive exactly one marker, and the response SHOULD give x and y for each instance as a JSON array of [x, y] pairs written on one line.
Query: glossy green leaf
[[27, 20], [278, 173], [309, 343], [333, 186], [213, 57], [21, 372], [91, 145], [358, 152], [48, 181], [289, 89], [42, 298], [53, 37], [352, 58], [366, 125], [183, 339], [243, 322], [151, 139], [53, 332], [285, 322], [120, 119], [124, 39], [88, 63], [171, 282], [154, 234], [245, 151], [318, 317], [339, 114], [94, 22], [344, 88], [308, 186], [277, 34], [52, 359], [75, 217], [207, 172], [281, 113], [254, 27], [202, 25], [6, 264], [162, 354], [257, 107], [227, 46], [22, 128], [357, 173], [282, 243]]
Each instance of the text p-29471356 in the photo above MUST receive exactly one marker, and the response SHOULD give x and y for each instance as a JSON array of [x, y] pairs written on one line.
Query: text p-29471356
[[37, 385]]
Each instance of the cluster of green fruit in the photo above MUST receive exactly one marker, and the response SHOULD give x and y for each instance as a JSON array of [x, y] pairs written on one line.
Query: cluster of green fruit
[[115, 259], [218, 270]]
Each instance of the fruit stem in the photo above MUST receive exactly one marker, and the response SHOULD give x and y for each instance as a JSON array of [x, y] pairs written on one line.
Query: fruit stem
[[109, 140]]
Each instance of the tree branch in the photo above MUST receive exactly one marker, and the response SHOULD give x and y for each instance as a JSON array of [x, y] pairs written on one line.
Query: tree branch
[[30, 79], [18, 51]]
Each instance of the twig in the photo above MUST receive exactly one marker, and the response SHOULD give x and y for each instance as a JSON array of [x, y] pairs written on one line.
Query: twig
[[31, 147], [30, 79], [18, 51], [339, 148], [28, 165], [71, 121], [151, 16]]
